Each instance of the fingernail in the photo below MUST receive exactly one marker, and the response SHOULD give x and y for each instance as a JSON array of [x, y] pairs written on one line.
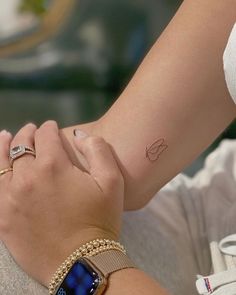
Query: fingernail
[[79, 133]]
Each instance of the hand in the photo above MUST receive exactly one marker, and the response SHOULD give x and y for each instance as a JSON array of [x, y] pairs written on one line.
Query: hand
[[49, 207]]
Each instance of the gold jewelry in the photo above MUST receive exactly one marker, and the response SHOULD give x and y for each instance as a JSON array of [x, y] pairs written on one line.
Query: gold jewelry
[[90, 249], [4, 171], [110, 261], [98, 269], [19, 151]]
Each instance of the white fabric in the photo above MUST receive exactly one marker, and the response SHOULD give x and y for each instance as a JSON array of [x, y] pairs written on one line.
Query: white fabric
[[207, 285], [222, 282], [229, 59], [228, 245]]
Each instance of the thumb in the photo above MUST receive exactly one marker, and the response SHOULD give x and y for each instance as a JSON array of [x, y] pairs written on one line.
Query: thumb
[[102, 164]]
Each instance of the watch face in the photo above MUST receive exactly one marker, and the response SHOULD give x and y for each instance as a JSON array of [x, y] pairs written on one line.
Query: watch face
[[81, 280]]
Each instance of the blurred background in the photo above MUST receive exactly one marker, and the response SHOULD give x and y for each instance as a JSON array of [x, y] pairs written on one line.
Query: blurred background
[[68, 60]]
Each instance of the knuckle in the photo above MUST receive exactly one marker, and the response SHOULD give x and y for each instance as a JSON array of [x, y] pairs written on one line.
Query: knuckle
[[30, 127], [45, 127], [49, 124], [23, 134]]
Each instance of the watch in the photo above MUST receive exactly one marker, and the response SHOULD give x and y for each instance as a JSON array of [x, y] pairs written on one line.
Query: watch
[[89, 275]]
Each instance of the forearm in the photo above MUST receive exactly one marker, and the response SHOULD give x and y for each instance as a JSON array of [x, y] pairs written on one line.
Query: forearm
[[178, 94], [133, 281]]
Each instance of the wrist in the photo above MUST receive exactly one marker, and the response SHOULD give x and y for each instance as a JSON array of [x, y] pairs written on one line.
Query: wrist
[[99, 253], [60, 254]]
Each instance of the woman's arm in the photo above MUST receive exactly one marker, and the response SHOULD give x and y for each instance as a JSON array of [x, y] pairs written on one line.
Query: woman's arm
[[133, 281], [176, 104], [42, 225]]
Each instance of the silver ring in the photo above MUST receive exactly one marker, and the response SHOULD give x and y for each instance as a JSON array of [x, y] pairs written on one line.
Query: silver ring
[[19, 151]]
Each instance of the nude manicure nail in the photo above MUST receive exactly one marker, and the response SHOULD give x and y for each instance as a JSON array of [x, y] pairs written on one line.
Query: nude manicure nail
[[79, 133]]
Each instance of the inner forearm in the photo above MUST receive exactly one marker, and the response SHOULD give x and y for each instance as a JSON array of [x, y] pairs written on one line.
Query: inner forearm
[[133, 281], [177, 102]]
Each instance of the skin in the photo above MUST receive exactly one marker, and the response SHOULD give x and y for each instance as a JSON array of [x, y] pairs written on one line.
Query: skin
[[72, 212], [178, 94]]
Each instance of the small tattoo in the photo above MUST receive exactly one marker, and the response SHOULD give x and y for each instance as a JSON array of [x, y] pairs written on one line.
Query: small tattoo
[[156, 149]]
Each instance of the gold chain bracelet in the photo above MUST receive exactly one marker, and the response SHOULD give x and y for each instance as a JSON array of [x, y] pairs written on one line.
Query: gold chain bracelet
[[89, 249]]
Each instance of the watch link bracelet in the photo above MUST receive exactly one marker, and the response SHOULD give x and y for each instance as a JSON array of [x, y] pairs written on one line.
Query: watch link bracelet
[[88, 275]]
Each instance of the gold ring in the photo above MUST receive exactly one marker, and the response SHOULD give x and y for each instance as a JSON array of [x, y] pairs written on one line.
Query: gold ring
[[4, 171]]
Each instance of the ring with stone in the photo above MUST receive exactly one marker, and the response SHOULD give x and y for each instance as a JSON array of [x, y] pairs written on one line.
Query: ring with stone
[[19, 151]]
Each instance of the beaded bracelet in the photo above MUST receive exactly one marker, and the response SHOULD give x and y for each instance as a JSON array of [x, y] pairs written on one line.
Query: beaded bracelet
[[89, 249]]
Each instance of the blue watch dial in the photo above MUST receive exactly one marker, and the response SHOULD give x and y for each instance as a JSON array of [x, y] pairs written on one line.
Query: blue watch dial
[[81, 280]]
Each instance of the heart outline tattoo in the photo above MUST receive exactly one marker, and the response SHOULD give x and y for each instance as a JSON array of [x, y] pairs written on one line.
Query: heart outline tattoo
[[156, 149]]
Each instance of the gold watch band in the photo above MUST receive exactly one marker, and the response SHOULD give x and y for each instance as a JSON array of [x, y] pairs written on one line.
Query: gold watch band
[[111, 261]]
